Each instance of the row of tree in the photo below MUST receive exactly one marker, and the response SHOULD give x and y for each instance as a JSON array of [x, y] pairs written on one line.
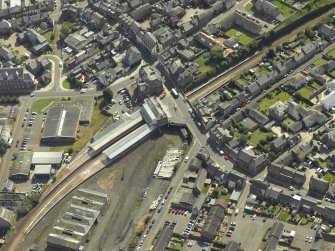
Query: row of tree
[[9, 99]]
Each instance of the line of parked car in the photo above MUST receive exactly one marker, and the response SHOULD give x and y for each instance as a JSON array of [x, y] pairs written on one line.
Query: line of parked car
[[24, 144]]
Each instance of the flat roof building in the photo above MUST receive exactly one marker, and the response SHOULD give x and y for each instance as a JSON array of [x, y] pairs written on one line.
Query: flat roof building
[[7, 218], [74, 227], [61, 125], [22, 165], [42, 171], [47, 158]]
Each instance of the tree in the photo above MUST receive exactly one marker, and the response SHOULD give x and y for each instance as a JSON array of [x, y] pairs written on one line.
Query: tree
[[271, 53], [216, 53], [74, 82], [243, 138], [52, 36], [108, 94]]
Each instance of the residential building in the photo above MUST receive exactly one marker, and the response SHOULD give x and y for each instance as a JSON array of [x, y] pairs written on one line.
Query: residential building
[[279, 144], [329, 139], [150, 82], [285, 176], [7, 54], [249, 161], [266, 8], [278, 111], [16, 80], [220, 136], [213, 222], [133, 56], [327, 102], [318, 186], [259, 117], [327, 32], [274, 236]]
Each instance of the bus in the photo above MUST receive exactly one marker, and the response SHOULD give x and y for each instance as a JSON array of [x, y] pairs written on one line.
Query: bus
[[174, 92], [10, 141]]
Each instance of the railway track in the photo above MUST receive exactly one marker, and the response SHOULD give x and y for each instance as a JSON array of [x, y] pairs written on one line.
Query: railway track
[[65, 186], [214, 84]]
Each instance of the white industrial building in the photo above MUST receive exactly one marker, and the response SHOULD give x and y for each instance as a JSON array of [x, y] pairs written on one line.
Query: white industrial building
[[47, 158]]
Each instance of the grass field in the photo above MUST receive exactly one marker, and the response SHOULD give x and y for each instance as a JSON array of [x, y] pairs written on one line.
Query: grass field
[[320, 61], [257, 136], [203, 67], [329, 177], [285, 10], [48, 36], [67, 85], [86, 132], [331, 54], [284, 216], [315, 85], [266, 102], [240, 36], [41, 105], [305, 92]]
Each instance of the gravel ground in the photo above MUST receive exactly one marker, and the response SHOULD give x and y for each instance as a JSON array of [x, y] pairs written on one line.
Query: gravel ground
[[126, 204]]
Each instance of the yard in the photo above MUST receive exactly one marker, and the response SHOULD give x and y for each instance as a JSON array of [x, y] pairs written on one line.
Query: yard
[[315, 85], [202, 62], [284, 216], [320, 61], [49, 36], [305, 92], [331, 54], [257, 136], [276, 210], [267, 101], [41, 105], [287, 122], [329, 177], [285, 10], [240, 36], [86, 132]]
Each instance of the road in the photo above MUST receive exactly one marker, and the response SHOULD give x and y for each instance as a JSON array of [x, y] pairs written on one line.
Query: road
[[175, 183], [216, 82]]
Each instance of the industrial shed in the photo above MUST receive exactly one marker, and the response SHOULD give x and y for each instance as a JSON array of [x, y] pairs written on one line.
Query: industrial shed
[[61, 125], [42, 171], [47, 158]]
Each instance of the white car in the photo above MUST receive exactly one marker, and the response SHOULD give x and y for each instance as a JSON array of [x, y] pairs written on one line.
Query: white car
[[32, 94], [82, 91]]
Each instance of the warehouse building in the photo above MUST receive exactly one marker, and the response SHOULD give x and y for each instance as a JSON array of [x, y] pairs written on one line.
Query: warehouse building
[[61, 125], [22, 165], [7, 218], [42, 172], [54, 159], [76, 224]]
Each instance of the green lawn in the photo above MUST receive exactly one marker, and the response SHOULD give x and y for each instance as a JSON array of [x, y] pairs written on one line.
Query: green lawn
[[257, 136], [66, 84], [276, 209], [86, 132], [41, 105], [331, 54], [48, 36], [329, 177], [203, 67], [263, 71], [316, 86], [333, 73], [248, 8], [285, 10], [284, 216], [305, 92], [266, 102], [320, 61], [287, 122], [240, 36]]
